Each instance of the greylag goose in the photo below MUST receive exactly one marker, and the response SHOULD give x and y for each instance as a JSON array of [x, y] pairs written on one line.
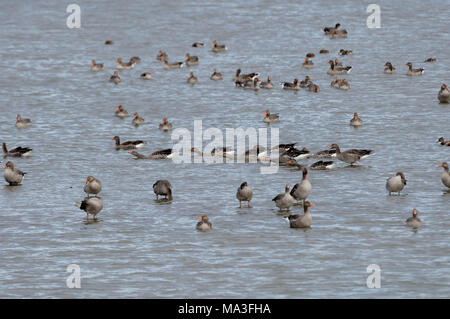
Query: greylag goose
[[345, 52], [326, 154], [445, 178], [252, 85], [323, 165], [389, 69], [137, 120], [216, 76], [244, 193], [218, 48], [21, 123], [351, 156], [13, 176], [414, 221], [323, 51], [340, 84], [124, 65], [307, 81], [430, 60], [197, 45], [109, 42], [135, 59], [337, 32], [336, 69], [310, 55], [115, 78], [161, 56], [175, 65], [92, 205], [222, 151], [307, 63], [395, 184], [291, 86], [266, 85], [443, 142], [284, 200], [301, 220], [163, 188], [160, 154], [191, 60], [92, 186], [412, 71], [280, 149], [297, 154], [301, 190], [327, 30], [96, 66], [356, 121], [270, 118], [444, 94], [241, 79], [192, 79], [313, 87], [121, 112], [165, 125], [146, 75], [16, 152], [127, 145], [204, 224]]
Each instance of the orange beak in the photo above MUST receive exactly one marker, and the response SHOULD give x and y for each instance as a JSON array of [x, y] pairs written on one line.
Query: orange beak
[[312, 205], [18, 118], [440, 165], [117, 109], [87, 182], [199, 218], [4, 166]]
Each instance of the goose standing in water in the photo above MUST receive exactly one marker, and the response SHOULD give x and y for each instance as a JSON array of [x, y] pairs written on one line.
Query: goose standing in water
[[21, 123], [271, 118], [92, 205], [115, 78], [389, 69], [356, 121], [267, 85], [444, 94], [395, 184], [414, 221], [192, 79], [121, 112], [301, 191], [137, 120], [96, 66], [165, 125], [16, 152], [146, 75], [163, 188], [445, 178], [160, 154], [284, 200], [351, 156], [244, 193], [127, 145], [191, 60], [412, 71], [443, 142], [204, 224], [301, 220], [218, 48], [13, 176], [92, 186], [216, 76]]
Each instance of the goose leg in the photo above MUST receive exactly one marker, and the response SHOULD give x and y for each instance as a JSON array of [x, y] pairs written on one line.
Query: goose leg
[[248, 203], [240, 204]]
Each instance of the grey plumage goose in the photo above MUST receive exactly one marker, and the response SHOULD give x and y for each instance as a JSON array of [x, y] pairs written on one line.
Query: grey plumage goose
[[20, 122], [96, 66], [445, 178], [218, 47], [444, 94], [137, 120], [92, 205], [174, 65], [92, 186], [267, 85], [284, 200], [13, 176], [191, 60], [203, 223], [162, 187], [160, 154], [216, 76], [395, 184], [302, 220], [128, 144], [336, 69], [356, 121], [414, 221], [442, 141], [301, 190], [389, 69], [115, 78], [270, 118], [165, 125], [351, 156], [244, 193], [121, 112], [124, 65], [412, 71], [16, 152], [192, 79]]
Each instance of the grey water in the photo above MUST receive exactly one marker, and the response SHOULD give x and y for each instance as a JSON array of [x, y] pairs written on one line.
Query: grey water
[[148, 249]]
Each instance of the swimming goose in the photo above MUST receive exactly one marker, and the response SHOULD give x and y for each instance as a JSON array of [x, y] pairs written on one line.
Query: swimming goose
[[327, 30], [244, 193], [284, 200], [244, 78], [252, 85], [345, 52], [222, 152], [337, 69], [351, 156], [162, 187], [307, 63], [109, 42], [356, 121], [414, 221], [430, 60], [313, 87], [192, 79], [443, 142], [92, 186], [337, 33], [197, 45], [310, 55], [165, 125], [137, 120], [389, 69], [444, 94], [216, 76], [161, 56], [160, 154], [20, 122], [191, 60], [16, 152], [396, 183], [135, 60], [121, 112], [96, 66], [301, 190], [270, 118], [92, 205], [115, 78], [280, 149], [266, 85], [340, 84], [146, 75], [307, 81], [13, 176], [291, 86], [301, 220], [218, 48], [323, 51], [445, 175], [175, 65], [204, 224], [127, 145], [124, 65], [412, 71]]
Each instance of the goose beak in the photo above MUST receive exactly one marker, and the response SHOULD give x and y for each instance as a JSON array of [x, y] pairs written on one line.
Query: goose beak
[[199, 218], [312, 205], [87, 182], [440, 165]]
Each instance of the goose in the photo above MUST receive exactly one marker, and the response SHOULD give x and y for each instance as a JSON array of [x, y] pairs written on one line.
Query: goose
[[443, 142], [344, 85], [395, 184], [204, 224], [218, 48], [307, 63], [412, 71], [291, 86], [284, 200], [267, 85], [161, 56], [244, 193], [244, 78], [109, 42], [252, 85], [115, 78], [297, 154], [323, 51], [444, 94], [96, 66], [124, 65], [175, 65], [307, 81], [162, 187], [310, 55], [192, 79], [160, 154], [323, 165], [191, 60], [16, 152], [301, 190], [351, 156], [313, 87], [414, 221], [301, 220], [21, 123], [327, 30], [13, 176], [280, 149], [92, 205], [222, 152], [345, 52], [336, 69], [445, 178], [270, 118], [127, 145], [135, 59], [389, 69], [197, 45], [137, 120], [146, 75], [356, 121], [92, 186], [165, 125], [325, 154], [337, 33], [121, 112], [216, 76], [430, 60]]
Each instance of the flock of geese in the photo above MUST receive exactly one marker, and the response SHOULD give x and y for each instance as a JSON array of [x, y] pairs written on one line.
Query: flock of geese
[[285, 154]]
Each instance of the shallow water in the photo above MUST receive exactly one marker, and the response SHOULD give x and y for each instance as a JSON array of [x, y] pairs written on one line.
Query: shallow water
[[144, 248]]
